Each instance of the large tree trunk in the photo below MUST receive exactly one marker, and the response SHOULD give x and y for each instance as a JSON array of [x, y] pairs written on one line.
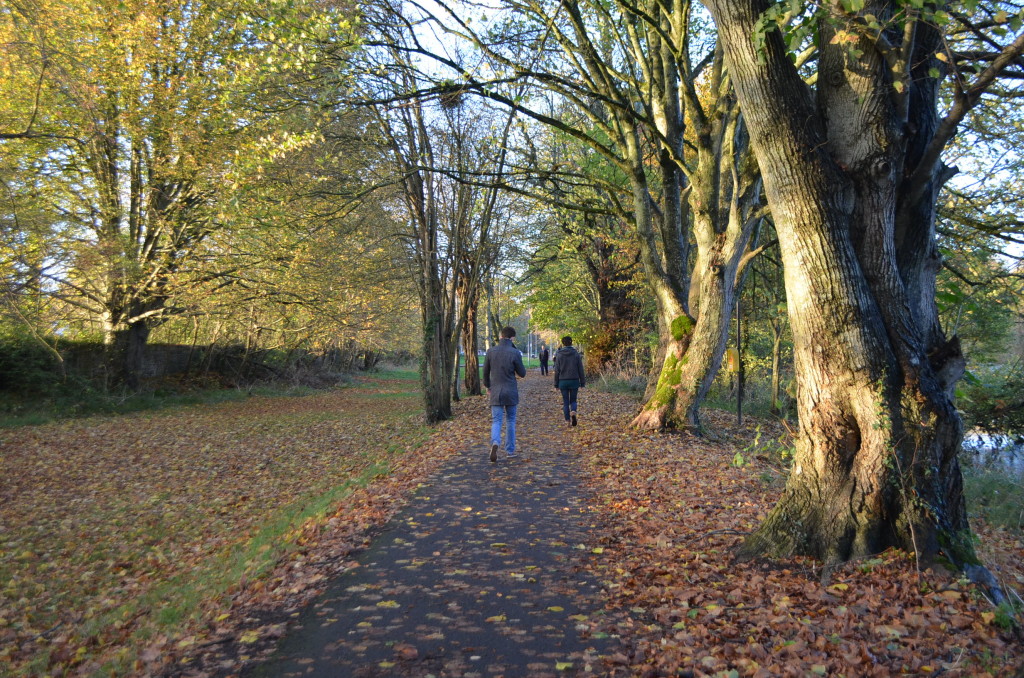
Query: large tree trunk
[[876, 455], [694, 349], [126, 352], [436, 369], [675, 325]]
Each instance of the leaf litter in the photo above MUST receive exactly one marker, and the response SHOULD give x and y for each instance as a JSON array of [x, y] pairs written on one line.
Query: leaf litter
[[95, 513], [101, 518], [674, 507]]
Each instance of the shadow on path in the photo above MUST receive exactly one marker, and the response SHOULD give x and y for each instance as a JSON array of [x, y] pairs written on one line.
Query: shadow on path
[[479, 576]]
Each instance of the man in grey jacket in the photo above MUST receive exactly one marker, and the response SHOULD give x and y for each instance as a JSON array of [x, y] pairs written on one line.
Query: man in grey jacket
[[501, 365]]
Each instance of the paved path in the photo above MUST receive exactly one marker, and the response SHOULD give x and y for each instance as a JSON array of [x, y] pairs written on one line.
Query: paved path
[[479, 575]]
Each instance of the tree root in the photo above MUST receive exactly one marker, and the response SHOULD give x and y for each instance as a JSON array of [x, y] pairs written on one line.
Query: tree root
[[980, 575], [651, 420]]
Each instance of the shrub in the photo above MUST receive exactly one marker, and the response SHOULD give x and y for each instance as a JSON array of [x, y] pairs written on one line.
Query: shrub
[[27, 368], [615, 377]]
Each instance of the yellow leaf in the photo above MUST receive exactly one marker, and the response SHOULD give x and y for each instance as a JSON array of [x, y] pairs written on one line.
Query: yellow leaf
[[222, 617], [597, 549], [840, 587], [841, 37], [496, 618], [388, 603], [249, 637], [988, 617], [563, 666], [556, 608]]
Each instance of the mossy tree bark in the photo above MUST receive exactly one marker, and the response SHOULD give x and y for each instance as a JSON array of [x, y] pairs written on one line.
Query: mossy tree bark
[[853, 199], [723, 188], [678, 178]]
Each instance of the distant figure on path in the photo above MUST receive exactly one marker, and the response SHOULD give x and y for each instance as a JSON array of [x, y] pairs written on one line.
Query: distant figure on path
[[544, 355], [569, 377], [501, 365]]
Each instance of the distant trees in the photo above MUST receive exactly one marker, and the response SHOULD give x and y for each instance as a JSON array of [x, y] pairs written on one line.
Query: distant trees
[[640, 85], [585, 275]]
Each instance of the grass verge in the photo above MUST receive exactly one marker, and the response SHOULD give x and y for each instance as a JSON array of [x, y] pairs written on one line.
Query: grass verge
[[182, 600], [121, 532]]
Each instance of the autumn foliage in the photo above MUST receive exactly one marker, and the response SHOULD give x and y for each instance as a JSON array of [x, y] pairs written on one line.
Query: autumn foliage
[[104, 519]]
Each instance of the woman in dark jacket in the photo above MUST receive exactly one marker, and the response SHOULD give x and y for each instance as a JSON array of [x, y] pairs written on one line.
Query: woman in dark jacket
[[569, 377]]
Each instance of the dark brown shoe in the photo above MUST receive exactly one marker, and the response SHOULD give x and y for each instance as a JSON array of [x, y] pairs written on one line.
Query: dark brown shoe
[[572, 419], [494, 453]]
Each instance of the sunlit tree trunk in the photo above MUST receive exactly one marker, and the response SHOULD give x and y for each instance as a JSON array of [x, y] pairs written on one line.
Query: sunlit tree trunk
[[723, 190], [876, 455]]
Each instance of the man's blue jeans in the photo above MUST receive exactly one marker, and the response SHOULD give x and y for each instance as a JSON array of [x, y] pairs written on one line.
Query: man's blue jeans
[[498, 414]]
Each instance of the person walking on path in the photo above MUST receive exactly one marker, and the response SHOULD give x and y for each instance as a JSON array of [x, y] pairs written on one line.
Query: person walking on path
[[544, 354], [501, 365], [569, 377]]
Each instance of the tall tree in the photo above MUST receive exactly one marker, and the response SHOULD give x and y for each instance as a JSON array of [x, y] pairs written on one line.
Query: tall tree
[[434, 155], [479, 172], [154, 113], [851, 176], [628, 83], [448, 154]]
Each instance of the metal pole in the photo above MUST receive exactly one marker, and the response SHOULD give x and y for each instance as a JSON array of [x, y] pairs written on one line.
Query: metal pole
[[739, 362]]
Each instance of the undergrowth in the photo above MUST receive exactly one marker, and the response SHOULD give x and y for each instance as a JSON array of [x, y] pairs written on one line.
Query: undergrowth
[[996, 496], [615, 379]]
